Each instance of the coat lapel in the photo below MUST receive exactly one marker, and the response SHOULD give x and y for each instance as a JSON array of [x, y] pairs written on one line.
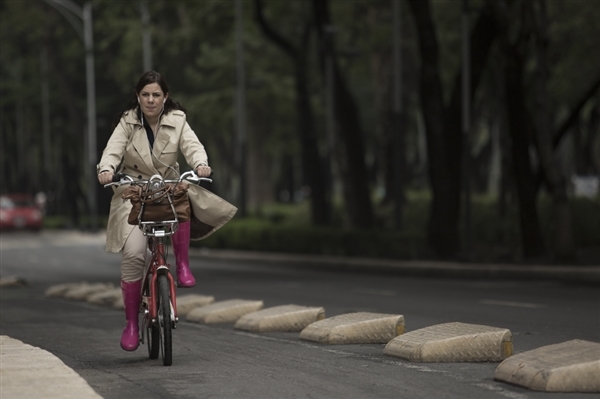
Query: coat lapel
[[141, 145], [165, 130], [161, 141]]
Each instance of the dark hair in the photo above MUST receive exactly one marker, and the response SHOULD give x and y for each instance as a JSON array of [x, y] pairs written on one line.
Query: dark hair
[[146, 79]]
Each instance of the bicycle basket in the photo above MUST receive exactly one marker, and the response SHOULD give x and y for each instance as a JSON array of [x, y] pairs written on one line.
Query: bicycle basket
[[166, 203]]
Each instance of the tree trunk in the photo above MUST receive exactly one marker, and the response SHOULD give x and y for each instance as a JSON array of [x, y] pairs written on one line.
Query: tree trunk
[[72, 160], [520, 133], [312, 163], [352, 165], [443, 146], [564, 245], [443, 124], [521, 136], [259, 189]]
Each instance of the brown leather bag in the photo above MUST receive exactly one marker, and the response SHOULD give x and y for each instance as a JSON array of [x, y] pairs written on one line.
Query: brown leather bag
[[156, 205]]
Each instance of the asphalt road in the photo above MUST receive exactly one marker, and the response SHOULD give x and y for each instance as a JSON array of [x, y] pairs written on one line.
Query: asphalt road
[[217, 361]]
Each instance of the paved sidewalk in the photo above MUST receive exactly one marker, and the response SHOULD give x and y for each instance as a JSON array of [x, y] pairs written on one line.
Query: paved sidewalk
[[28, 372]]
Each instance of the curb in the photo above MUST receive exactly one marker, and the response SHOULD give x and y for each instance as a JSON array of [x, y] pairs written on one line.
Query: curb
[[31, 372]]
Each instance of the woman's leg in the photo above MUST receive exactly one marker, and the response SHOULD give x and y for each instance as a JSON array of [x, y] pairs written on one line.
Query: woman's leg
[[132, 270]]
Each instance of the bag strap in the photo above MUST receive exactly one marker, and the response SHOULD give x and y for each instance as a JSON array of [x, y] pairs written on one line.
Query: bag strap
[[152, 196]]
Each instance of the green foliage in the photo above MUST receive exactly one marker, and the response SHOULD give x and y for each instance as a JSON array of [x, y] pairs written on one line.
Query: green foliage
[[262, 235], [194, 46], [495, 237], [55, 222], [585, 217], [573, 47]]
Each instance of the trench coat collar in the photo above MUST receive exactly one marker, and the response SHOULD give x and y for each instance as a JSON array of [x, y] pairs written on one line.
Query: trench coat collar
[[166, 126], [169, 119]]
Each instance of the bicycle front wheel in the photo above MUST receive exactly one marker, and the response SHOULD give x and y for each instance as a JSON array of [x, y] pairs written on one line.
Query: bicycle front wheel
[[153, 337], [164, 319]]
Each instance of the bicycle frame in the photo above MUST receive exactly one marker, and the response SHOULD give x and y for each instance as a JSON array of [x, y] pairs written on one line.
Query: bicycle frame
[[158, 306], [158, 264]]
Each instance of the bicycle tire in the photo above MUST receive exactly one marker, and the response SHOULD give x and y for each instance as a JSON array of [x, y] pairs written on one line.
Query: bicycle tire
[[151, 330], [153, 338], [164, 319]]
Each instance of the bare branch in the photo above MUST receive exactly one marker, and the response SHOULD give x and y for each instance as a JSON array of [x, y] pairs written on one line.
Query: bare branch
[[285, 45], [564, 128]]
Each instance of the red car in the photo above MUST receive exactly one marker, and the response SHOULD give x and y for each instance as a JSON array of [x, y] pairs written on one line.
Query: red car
[[19, 211]]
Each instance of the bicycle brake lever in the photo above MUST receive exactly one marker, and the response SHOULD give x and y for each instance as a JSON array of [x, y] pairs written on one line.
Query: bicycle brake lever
[[118, 177]]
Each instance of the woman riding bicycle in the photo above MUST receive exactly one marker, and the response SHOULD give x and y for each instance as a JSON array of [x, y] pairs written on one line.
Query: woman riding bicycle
[[147, 138]]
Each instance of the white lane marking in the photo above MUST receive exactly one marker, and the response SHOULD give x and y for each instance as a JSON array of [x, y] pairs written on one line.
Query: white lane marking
[[514, 304]]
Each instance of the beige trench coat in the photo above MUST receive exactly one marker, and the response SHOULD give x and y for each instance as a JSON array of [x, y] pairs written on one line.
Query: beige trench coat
[[128, 152]]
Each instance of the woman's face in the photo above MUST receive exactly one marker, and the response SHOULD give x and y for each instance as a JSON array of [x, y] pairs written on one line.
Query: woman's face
[[152, 100]]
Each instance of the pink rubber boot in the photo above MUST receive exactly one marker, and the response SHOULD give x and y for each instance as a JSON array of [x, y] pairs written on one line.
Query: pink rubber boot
[[130, 339], [181, 245]]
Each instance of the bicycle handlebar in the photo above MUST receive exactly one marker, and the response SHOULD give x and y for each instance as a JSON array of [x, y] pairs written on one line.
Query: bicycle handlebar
[[120, 179]]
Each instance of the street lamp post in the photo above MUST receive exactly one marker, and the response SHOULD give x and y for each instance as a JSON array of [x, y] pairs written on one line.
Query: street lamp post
[[78, 16]]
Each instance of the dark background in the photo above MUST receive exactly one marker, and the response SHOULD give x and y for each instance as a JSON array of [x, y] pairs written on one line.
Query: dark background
[[327, 134]]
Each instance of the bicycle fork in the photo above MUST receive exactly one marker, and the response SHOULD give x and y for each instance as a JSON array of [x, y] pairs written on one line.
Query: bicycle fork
[[152, 303], [158, 266]]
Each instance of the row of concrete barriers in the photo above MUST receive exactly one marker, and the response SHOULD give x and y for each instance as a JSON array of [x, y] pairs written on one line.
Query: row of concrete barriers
[[571, 366]]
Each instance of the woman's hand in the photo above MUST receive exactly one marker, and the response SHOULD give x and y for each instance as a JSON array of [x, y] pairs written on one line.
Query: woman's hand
[[105, 177], [203, 171]]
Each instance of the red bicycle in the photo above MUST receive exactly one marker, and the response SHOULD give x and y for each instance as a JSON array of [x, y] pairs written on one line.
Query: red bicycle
[[159, 301]]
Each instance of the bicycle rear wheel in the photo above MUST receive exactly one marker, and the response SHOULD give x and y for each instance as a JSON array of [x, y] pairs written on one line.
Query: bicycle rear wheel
[[164, 319]]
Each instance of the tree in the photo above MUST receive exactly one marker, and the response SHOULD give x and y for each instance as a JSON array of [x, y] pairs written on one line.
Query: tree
[[312, 162], [564, 242], [352, 152], [531, 126], [443, 121]]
